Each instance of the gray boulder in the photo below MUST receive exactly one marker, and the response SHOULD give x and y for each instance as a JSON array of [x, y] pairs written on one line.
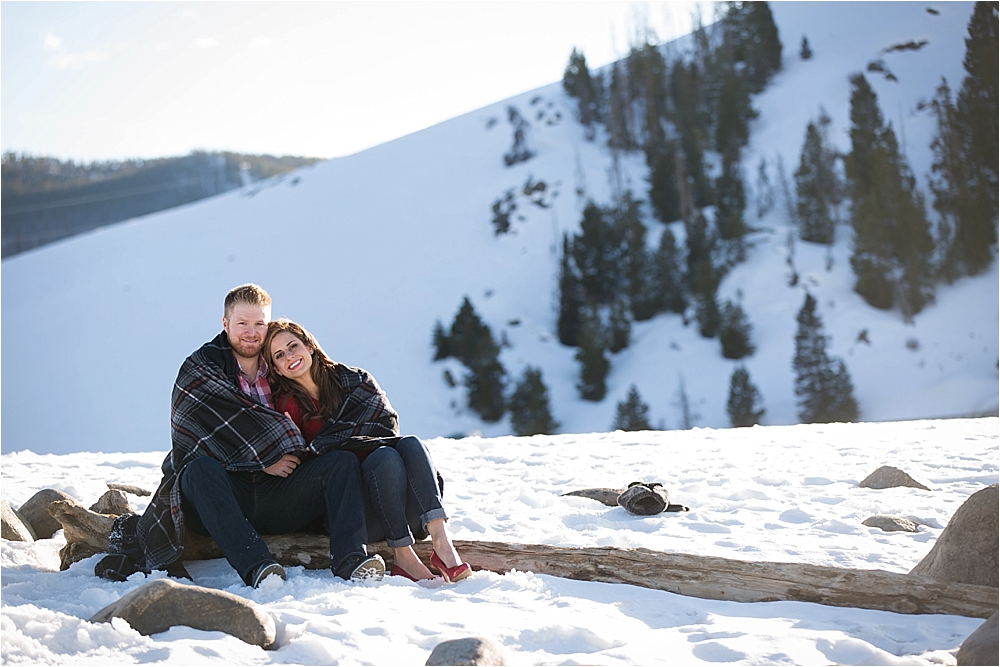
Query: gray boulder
[[13, 528], [890, 523], [467, 651], [888, 477], [163, 603], [966, 551], [981, 647], [112, 502], [35, 512], [128, 488]]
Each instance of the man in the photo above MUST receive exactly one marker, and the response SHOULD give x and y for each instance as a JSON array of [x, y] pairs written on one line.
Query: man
[[237, 468]]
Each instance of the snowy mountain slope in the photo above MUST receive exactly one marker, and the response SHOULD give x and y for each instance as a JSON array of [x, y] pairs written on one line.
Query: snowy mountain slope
[[368, 251]]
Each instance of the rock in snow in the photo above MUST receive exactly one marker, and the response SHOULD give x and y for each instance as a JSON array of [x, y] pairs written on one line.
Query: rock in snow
[[163, 603], [888, 477], [966, 551], [35, 512], [467, 651]]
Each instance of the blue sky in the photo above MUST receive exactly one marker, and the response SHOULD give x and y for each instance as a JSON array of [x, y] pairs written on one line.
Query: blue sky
[[109, 80]]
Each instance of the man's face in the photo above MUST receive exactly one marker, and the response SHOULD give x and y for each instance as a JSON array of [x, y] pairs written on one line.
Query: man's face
[[246, 327]]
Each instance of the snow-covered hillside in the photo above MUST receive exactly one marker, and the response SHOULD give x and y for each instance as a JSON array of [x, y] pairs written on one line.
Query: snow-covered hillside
[[368, 251]]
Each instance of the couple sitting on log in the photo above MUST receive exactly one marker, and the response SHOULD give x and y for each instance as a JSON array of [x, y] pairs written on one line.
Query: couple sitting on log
[[270, 436]]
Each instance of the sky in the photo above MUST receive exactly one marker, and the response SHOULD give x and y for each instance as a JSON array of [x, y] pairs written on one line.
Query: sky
[[113, 80]]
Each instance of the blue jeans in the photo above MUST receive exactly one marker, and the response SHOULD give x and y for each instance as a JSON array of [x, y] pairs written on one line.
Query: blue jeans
[[401, 488], [236, 508]]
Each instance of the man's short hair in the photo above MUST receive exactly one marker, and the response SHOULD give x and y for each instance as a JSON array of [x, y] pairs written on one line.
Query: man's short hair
[[250, 294]]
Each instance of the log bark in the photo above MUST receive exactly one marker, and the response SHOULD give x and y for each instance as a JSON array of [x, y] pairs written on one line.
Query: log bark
[[707, 577]]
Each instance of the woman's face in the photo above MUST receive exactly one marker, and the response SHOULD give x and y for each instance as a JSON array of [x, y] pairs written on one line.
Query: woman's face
[[290, 356]]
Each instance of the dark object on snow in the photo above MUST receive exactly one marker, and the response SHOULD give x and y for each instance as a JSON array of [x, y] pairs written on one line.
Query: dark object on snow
[[890, 523], [13, 527], [608, 497], [35, 512], [163, 603], [467, 651], [981, 647], [966, 551], [888, 477], [644, 499]]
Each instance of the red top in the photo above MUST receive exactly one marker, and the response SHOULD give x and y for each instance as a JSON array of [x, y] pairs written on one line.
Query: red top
[[310, 427]]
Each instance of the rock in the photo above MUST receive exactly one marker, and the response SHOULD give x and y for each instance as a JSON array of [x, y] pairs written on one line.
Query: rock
[[467, 651], [888, 477], [13, 528], [112, 502], [981, 647], [607, 496], [966, 551], [35, 512], [163, 603], [128, 488], [890, 523]]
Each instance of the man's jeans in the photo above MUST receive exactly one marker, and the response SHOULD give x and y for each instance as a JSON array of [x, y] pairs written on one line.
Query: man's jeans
[[236, 508], [401, 487]]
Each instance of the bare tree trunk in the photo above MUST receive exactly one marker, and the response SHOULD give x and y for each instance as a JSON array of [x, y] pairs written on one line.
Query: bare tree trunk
[[707, 577]]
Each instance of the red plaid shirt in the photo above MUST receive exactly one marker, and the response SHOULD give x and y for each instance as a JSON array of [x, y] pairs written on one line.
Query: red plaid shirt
[[257, 387]]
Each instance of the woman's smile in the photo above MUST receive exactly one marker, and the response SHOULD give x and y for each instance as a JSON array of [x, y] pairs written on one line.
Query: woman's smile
[[291, 357]]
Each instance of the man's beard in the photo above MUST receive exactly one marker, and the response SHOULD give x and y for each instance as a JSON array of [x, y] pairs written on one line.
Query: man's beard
[[247, 351]]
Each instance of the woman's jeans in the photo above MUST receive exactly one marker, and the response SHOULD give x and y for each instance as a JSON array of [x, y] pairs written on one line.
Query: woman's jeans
[[236, 508], [401, 488]]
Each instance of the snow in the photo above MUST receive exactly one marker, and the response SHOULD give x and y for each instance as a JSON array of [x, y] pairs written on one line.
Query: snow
[[368, 251], [777, 493]]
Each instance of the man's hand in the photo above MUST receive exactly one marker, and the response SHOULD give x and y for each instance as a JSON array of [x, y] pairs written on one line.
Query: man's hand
[[284, 467]]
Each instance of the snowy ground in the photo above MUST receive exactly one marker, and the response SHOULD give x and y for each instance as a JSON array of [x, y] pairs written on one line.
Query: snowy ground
[[781, 493]]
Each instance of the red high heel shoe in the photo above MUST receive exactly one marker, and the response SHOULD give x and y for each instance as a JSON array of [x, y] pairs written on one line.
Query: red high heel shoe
[[450, 574], [397, 571]]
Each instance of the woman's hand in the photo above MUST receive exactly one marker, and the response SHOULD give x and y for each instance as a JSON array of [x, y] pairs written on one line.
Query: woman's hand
[[284, 467]]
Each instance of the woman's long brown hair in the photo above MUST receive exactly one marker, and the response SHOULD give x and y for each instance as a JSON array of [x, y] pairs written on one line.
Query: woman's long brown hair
[[324, 374]]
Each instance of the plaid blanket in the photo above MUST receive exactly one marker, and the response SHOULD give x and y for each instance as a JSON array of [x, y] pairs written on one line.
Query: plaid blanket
[[209, 416], [365, 419]]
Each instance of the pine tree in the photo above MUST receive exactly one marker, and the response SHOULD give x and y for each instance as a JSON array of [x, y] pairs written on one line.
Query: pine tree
[[812, 188], [667, 279], [663, 194], [753, 36], [730, 201], [578, 83], [764, 191], [570, 298], [965, 153], [471, 342], [690, 118], [744, 399], [594, 365], [632, 414], [599, 254], [805, 51], [486, 382], [733, 116], [892, 241], [440, 339], [647, 73], [619, 326], [823, 387], [530, 413], [735, 332]]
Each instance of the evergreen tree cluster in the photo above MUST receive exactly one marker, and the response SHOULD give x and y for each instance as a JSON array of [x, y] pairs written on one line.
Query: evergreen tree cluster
[[817, 185], [608, 279], [471, 342], [822, 384], [893, 246], [964, 171]]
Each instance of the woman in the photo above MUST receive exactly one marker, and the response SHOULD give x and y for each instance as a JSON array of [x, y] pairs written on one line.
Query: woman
[[339, 407]]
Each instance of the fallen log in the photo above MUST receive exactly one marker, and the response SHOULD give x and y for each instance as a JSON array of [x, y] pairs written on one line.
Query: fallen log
[[707, 577]]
